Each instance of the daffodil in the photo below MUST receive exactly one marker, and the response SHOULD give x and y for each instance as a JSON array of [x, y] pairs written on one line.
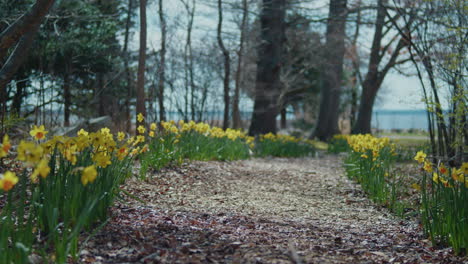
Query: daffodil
[[102, 159], [42, 169], [144, 149], [140, 117], [38, 133], [151, 134], [8, 180], [153, 126], [139, 139], [97, 139], [420, 156], [435, 177], [120, 136], [442, 169], [105, 130], [29, 152], [122, 152], [464, 168], [141, 129], [6, 145], [428, 166], [82, 132], [457, 175], [88, 175]]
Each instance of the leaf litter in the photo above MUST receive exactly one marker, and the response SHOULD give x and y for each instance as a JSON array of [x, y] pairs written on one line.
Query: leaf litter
[[271, 210]]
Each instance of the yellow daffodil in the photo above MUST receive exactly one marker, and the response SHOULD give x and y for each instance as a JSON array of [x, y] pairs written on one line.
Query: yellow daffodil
[[29, 152], [151, 134], [435, 177], [8, 180], [122, 152], [464, 168], [105, 131], [70, 154], [420, 156], [135, 151], [120, 136], [144, 149], [428, 166], [153, 126], [6, 145], [141, 129], [139, 139], [82, 132], [42, 169], [443, 169], [38, 133], [457, 175], [140, 117], [102, 159], [97, 139], [88, 175]]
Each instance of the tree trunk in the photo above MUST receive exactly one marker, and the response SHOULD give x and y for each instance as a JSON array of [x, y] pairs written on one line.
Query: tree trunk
[[369, 93], [126, 55], [26, 23], [374, 77], [67, 95], [22, 30], [20, 93], [283, 118], [370, 85], [227, 66], [327, 124], [267, 85], [236, 118], [140, 107], [162, 66]]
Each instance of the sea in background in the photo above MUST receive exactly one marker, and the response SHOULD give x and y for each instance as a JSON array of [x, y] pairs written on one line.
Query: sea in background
[[399, 119]]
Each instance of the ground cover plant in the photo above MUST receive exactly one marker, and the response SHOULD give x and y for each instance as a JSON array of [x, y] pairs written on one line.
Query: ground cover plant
[[65, 185], [443, 190], [444, 196], [370, 162], [62, 186]]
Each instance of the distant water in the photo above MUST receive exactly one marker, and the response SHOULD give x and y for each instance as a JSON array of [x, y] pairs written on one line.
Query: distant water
[[399, 119]]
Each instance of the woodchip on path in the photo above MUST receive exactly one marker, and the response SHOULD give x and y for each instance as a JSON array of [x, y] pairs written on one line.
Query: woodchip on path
[[272, 210]]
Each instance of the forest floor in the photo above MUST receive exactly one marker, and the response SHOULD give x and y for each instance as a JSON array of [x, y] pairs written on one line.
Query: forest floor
[[272, 210]]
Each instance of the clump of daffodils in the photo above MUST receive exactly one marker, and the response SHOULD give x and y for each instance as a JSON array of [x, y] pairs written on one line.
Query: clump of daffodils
[[441, 173], [364, 143], [37, 154]]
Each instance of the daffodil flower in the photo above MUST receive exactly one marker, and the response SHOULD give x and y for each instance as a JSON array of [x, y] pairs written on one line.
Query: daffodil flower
[[8, 180], [38, 133], [420, 156], [88, 175]]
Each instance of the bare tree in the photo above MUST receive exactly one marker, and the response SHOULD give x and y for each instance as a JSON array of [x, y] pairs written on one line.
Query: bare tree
[[376, 72], [270, 53], [227, 66], [236, 119], [140, 107], [126, 58], [162, 63], [327, 124]]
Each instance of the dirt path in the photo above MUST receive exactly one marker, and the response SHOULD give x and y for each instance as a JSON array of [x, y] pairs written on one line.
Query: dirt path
[[257, 211]]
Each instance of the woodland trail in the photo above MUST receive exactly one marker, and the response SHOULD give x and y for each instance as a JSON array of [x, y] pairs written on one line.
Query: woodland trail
[[257, 211]]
